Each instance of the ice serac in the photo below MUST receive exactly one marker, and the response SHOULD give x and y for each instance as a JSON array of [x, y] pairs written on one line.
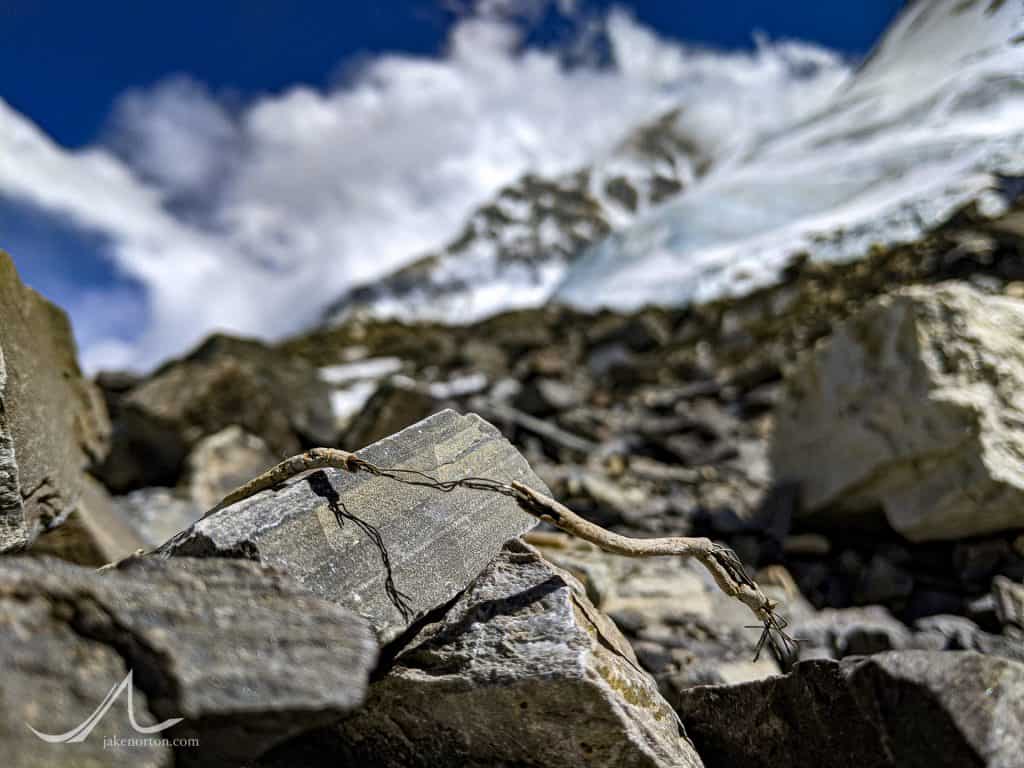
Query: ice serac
[[912, 407], [389, 550], [932, 122]]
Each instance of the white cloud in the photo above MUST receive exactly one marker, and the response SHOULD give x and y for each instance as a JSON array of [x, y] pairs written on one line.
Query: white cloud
[[252, 219]]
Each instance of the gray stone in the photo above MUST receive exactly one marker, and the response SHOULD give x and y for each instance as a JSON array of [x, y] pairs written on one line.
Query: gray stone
[[913, 407], [221, 462], [95, 533], [837, 633], [521, 670], [52, 420], [545, 397], [224, 382], [905, 709], [322, 528], [244, 655], [157, 514], [1009, 601], [883, 582], [53, 680], [957, 633]]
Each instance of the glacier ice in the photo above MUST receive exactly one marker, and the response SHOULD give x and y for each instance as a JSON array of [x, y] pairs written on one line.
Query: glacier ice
[[926, 125]]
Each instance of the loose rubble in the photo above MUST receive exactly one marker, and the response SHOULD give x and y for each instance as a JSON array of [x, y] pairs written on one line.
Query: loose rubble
[[660, 423]]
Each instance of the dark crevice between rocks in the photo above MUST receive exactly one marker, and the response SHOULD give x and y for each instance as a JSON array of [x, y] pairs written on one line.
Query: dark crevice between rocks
[[391, 651], [195, 544], [422, 657]]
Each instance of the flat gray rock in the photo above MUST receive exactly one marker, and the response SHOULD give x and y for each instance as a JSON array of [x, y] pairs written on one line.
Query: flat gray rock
[[243, 654], [323, 528], [53, 680], [902, 709], [522, 670]]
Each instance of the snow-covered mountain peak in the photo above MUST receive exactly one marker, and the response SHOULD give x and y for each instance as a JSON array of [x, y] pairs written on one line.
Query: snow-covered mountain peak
[[921, 130]]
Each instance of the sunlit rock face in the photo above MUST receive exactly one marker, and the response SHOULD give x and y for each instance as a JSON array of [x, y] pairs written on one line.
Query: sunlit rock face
[[932, 122]]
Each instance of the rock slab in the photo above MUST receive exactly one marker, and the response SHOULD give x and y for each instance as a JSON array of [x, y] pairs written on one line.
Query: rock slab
[[902, 709], [342, 534], [243, 654], [913, 406], [521, 670], [52, 420]]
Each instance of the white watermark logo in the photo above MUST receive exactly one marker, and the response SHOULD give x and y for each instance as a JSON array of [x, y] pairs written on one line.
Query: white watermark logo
[[80, 732]]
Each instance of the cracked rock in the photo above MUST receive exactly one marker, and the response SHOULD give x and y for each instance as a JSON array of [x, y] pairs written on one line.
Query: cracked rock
[[323, 528], [244, 655], [913, 407], [52, 420], [521, 670]]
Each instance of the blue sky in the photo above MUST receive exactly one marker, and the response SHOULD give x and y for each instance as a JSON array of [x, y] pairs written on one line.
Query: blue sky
[[184, 105], [67, 75]]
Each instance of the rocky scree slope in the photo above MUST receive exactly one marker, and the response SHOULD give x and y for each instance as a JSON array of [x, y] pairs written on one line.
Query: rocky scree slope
[[655, 423]]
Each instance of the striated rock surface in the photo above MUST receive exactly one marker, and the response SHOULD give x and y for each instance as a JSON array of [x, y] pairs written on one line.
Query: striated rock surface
[[52, 420], [389, 550], [904, 709], [521, 670], [242, 654], [913, 406]]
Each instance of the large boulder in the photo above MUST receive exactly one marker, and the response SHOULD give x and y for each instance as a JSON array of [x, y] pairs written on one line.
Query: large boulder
[[243, 655], [52, 420], [912, 407], [225, 382], [392, 551], [521, 670], [903, 709]]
